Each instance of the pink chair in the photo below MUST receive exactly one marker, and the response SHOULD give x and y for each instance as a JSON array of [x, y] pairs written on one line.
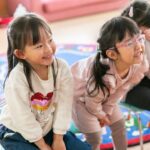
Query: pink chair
[[54, 10]]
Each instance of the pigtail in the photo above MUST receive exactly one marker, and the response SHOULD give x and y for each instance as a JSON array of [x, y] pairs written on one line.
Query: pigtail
[[98, 70], [55, 72], [11, 59], [27, 72]]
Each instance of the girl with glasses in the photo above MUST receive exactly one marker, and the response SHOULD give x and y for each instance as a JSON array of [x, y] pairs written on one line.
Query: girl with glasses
[[101, 81]]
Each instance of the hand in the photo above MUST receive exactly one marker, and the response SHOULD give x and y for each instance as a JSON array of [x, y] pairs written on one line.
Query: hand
[[46, 147], [104, 121], [58, 143], [42, 145]]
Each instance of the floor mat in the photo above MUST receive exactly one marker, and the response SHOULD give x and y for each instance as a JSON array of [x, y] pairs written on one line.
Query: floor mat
[[133, 115]]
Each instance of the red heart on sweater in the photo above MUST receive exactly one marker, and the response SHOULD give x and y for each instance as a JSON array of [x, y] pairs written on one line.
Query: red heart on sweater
[[39, 96]]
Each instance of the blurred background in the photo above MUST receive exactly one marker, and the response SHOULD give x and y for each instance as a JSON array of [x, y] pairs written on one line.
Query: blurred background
[[71, 21]]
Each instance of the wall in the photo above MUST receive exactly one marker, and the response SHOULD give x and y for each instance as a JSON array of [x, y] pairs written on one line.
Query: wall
[[3, 8]]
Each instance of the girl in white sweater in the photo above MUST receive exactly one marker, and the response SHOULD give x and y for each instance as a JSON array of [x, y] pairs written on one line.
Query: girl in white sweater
[[38, 91]]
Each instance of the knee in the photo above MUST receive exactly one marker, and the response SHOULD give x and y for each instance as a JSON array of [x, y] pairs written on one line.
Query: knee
[[118, 126], [93, 138]]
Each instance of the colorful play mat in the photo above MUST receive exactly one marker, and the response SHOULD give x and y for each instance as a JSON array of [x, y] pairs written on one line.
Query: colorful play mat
[[137, 120]]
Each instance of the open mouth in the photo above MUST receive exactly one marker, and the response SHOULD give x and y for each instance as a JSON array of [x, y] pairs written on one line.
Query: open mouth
[[138, 54], [47, 57]]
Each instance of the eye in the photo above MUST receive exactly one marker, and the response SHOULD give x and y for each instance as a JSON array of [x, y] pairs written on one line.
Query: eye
[[141, 39], [50, 40], [38, 46], [129, 43]]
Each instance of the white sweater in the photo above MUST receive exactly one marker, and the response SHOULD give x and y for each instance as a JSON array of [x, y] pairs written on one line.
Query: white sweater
[[22, 115]]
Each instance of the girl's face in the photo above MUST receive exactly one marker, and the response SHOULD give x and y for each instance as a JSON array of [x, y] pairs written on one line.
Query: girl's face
[[42, 53], [146, 32], [130, 50]]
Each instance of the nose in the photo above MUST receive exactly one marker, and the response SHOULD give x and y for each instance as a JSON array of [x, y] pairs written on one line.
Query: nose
[[48, 48], [138, 46]]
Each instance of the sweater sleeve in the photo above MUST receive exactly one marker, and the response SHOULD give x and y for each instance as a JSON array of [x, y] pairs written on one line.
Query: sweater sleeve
[[64, 98], [17, 99], [94, 106]]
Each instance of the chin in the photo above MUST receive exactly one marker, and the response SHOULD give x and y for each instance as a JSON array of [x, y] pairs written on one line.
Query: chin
[[138, 61]]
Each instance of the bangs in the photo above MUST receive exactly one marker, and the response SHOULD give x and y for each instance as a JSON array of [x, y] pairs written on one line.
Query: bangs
[[33, 36], [124, 27], [25, 30]]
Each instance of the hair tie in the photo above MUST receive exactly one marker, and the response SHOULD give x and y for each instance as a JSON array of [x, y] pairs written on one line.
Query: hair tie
[[131, 11], [99, 51]]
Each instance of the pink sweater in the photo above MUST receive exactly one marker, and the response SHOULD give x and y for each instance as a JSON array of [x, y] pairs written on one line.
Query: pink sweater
[[118, 87]]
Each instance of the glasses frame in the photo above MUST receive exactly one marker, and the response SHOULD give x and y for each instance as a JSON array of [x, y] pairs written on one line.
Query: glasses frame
[[133, 40]]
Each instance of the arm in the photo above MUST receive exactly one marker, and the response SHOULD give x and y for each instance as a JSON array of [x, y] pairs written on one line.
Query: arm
[[94, 106], [64, 98], [58, 143]]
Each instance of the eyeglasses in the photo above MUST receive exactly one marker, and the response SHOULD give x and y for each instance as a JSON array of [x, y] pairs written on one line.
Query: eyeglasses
[[132, 42]]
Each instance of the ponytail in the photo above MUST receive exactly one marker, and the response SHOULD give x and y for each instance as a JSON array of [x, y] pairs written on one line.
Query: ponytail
[[98, 70]]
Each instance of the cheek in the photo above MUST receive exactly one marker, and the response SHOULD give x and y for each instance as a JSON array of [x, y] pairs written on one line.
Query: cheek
[[127, 52], [54, 47], [143, 47]]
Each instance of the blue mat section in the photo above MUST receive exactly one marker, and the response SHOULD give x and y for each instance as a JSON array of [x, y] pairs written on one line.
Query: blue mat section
[[72, 53]]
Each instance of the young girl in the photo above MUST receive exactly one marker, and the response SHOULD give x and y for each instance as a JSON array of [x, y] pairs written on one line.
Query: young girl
[[38, 91], [139, 11], [101, 81]]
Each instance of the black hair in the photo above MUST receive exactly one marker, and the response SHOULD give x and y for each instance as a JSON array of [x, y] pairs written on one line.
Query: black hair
[[21, 31], [139, 11], [112, 31]]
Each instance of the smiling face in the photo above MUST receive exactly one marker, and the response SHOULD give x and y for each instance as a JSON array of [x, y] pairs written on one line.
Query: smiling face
[[40, 54], [127, 52], [130, 50]]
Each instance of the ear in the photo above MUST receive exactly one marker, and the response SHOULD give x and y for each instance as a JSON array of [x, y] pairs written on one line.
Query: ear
[[19, 54], [112, 54]]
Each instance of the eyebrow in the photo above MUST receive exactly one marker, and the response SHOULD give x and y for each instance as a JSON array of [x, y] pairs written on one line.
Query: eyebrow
[[126, 40]]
